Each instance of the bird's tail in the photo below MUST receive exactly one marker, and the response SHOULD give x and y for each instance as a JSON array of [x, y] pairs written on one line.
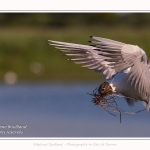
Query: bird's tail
[[147, 105]]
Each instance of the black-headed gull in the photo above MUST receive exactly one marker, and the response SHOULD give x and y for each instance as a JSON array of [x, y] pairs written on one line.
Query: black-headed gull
[[125, 67]]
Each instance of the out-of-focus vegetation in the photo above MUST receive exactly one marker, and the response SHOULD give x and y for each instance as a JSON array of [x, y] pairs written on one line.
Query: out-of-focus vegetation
[[24, 49]]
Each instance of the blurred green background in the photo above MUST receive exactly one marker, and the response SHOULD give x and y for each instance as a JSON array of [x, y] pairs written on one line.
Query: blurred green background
[[26, 56]]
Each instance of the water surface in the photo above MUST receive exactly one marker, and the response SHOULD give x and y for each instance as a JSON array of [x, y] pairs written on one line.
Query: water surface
[[64, 110]]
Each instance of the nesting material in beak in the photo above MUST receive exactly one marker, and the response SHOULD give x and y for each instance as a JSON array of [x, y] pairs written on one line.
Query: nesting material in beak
[[105, 98]]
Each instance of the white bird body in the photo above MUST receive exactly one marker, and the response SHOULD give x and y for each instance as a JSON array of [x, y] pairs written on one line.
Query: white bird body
[[124, 66], [121, 86]]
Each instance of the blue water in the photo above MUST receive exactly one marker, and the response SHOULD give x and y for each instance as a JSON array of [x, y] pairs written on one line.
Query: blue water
[[64, 110]]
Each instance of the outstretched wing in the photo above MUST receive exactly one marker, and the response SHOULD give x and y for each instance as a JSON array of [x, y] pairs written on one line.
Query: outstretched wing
[[90, 56], [111, 57]]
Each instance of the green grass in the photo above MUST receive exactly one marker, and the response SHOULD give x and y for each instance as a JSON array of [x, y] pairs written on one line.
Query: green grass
[[20, 47]]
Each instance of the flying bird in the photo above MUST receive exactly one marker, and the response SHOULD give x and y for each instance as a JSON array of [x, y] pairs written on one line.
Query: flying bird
[[125, 67]]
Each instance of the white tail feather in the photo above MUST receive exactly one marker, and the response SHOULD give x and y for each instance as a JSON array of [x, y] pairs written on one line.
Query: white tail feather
[[147, 105]]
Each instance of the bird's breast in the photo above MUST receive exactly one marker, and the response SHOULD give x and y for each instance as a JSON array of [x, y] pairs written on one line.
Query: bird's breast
[[120, 85]]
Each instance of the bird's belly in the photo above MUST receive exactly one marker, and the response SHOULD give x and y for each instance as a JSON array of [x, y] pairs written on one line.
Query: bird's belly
[[120, 85]]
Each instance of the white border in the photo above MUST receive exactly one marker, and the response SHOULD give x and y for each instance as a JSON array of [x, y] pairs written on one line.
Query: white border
[[73, 143], [73, 5]]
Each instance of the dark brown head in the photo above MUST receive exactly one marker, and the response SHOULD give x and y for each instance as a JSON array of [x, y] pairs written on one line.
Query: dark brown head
[[105, 89]]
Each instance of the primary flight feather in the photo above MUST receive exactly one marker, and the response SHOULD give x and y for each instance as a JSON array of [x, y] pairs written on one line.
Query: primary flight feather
[[125, 67]]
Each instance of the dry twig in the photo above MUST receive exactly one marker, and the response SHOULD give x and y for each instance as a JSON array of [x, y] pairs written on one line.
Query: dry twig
[[104, 97]]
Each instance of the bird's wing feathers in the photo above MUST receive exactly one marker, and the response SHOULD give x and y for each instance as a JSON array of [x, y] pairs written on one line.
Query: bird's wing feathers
[[111, 57], [129, 56], [88, 56]]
